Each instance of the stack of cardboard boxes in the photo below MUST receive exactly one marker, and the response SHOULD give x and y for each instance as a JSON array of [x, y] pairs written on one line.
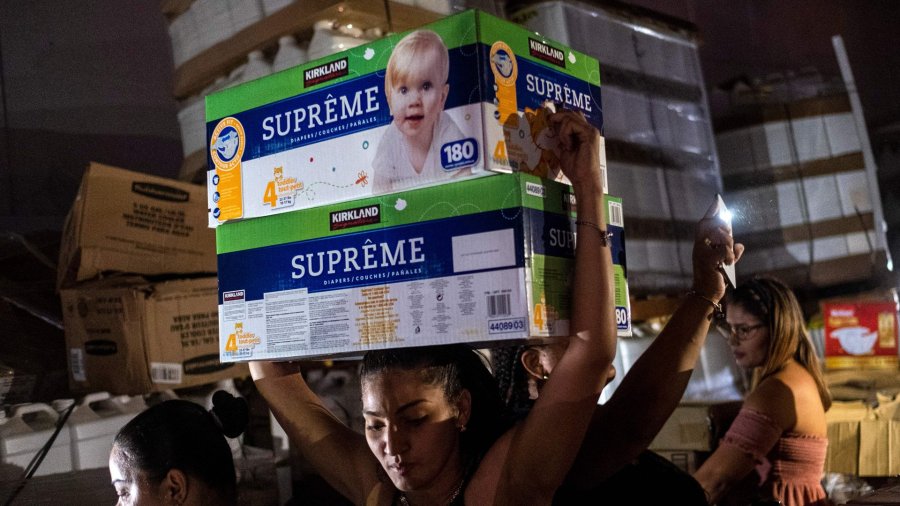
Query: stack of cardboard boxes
[[335, 235], [137, 284], [864, 440]]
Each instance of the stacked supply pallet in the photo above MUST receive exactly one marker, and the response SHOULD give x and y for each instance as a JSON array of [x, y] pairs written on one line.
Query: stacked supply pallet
[[793, 165], [660, 150]]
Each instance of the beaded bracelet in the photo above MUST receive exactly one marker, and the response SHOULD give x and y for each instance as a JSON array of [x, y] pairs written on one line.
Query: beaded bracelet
[[605, 235], [718, 312]]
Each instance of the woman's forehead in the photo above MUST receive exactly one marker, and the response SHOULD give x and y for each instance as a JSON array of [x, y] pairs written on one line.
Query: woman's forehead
[[397, 387]]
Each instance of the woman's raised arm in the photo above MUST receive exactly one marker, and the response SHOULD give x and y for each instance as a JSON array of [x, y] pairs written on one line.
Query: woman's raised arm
[[625, 425], [340, 455], [544, 446]]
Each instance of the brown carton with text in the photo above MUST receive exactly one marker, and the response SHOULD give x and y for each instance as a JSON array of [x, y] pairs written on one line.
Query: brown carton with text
[[131, 336], [125, 221]]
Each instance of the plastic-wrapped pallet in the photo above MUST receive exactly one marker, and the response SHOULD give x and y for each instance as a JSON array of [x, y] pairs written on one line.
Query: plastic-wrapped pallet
[[794, 170], [272, 6], [185, 41], [659, 140]]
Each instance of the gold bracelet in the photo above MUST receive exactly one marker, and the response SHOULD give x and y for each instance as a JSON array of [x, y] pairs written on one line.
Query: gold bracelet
[[718, 312], [605, 235]]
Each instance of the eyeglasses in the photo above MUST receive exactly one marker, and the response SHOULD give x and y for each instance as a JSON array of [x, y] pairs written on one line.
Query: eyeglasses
[[741, 332]]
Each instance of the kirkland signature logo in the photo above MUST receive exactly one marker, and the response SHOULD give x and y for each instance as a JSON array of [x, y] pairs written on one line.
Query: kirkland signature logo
[[160, 192], [547, 53], [325, 72], [234, 295], [355, 217]]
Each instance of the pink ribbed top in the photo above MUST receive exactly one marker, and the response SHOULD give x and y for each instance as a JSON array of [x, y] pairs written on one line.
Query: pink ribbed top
[[790, 465]]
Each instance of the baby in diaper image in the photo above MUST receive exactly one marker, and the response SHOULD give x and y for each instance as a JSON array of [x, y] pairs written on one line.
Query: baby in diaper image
[[416, 88]]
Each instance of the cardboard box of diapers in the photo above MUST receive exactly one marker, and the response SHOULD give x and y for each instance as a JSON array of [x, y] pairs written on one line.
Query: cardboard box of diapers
[[480, 260], [460, 97]]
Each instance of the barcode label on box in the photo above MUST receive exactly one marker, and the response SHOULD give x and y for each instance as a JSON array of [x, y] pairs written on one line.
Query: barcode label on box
[[516, 325], [498, 305], [76, 364], [165, 373], [615, 214]]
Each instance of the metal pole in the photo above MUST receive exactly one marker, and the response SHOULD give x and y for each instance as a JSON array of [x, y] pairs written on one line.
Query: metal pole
[[871, 168]]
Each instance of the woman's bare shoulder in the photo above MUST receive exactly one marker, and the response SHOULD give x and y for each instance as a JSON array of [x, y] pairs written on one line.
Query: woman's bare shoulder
[[785, 395]]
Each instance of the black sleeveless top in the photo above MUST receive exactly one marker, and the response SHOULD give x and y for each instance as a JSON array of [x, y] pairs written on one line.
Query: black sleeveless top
[[650, 479]]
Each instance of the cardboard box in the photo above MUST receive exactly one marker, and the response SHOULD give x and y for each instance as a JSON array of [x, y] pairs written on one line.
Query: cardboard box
[[481, 260], [862, 440], [861, 334], [843, 420], [879, 441], [124, 221], [131, 336], [324, 132], [696, 426]]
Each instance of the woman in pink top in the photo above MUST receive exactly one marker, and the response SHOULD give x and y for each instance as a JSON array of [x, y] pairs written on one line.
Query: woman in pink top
[[781, 431]]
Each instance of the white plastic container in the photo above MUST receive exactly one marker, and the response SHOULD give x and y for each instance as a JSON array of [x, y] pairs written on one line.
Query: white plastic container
[[93, 426], [257, 66], [289, 54], [191, 119], [26, 431], [330, 37]]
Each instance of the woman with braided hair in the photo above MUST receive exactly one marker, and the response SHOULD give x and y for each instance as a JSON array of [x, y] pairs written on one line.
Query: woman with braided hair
[[613, 463], [780, 432]]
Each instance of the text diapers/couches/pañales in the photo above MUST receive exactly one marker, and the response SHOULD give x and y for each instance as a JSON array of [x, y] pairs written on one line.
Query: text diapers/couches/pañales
[[464, 96], [479, 260]]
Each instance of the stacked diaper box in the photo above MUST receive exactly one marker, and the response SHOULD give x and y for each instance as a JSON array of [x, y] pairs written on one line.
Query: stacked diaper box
[[861, 333], [344, 127], [336, 234], [137, 285], [482, 260], [795, 165], [657, 123]]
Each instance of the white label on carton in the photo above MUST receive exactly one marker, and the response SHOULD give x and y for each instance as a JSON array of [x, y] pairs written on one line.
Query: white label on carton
[[76, 362], [487, 250], [287, 320], [536, 190], [165, 372], [615, 214]]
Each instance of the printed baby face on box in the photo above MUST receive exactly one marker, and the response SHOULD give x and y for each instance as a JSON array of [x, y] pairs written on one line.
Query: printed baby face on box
[[461, 97]]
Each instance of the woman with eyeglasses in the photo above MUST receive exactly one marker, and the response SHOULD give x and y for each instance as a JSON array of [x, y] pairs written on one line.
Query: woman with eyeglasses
[[780, 432]]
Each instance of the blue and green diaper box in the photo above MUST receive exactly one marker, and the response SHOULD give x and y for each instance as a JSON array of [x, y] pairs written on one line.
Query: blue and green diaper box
[[480, 261], [467, 95]]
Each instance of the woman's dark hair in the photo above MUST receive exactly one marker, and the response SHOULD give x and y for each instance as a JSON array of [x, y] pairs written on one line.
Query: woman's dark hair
[[455, 367], [512, 379], [773, 303], [179, 434]]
